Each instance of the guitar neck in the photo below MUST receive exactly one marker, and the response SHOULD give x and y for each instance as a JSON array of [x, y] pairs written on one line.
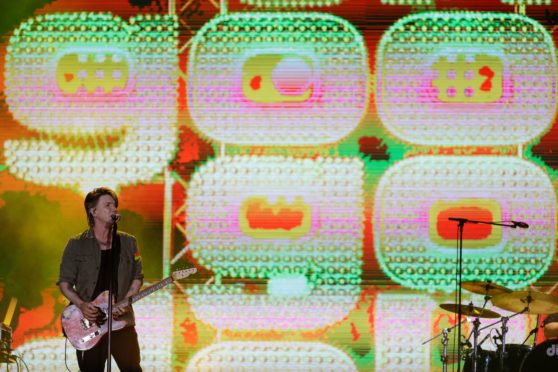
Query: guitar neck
[[145, 292]]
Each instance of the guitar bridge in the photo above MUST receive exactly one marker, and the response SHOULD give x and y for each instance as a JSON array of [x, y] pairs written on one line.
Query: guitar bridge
[[90, 336]]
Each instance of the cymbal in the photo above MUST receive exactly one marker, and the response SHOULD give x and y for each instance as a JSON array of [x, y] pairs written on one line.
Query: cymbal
[[537, 302], [470, 310], [485, 287]]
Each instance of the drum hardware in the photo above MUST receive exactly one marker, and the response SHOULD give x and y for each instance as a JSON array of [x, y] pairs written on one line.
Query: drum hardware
[[533, 332], [510, 356], [470, 310], [503, 348], [484, 313], [531, 303], [445, 332], [486, 288], [444, 357], [541, 358], [6, 344], [477, 312], [527, 302], [6, 334]]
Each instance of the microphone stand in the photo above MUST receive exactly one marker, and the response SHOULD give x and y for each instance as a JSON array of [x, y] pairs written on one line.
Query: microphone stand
[[113, 248], [533, 333], [537, 330], [460, 226], [504, 325]]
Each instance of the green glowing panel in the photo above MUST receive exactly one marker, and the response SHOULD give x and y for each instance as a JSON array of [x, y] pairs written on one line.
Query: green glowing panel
[[269, 79], [415, 240], [466, 79], [271, 217], [290, 4], [408, 2], [102, 94], [527, 2]]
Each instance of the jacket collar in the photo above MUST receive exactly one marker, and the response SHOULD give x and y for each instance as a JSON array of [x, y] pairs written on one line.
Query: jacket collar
[[90, 234]]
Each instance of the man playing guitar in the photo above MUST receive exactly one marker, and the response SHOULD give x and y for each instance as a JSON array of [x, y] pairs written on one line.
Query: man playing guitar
[[84, 275]]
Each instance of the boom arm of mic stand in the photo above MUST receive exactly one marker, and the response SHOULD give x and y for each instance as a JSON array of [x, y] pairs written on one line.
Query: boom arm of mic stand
[[500, 321], [446, 329], [466, 220]]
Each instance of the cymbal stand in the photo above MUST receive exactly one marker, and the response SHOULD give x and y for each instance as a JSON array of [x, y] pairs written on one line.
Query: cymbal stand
[[503, 348], [504, 321], [533, 332], [476, 324], [500, 321], [536, 330], [505, 330], [444, 357], [475, 332], [445, 333]]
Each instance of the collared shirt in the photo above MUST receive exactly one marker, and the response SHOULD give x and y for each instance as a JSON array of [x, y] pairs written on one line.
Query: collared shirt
[[81, 262]]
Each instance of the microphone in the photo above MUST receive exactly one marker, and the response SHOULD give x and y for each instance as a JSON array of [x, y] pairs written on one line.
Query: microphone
[[484, 339], [523, 225], [115, 217], [466, 342]]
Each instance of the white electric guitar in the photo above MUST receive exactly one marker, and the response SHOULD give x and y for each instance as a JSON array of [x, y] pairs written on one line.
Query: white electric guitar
[[84, 334]]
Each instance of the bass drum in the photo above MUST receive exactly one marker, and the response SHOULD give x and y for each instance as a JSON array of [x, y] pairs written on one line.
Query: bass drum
[[515, 354], [543, 358], [486, 361], [489, 361]]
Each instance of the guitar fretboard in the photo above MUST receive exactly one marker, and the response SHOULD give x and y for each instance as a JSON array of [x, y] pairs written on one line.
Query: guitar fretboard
[[177, 275], [146, 292]]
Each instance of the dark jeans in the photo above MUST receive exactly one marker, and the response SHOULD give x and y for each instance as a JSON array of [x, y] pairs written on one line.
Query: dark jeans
[[124, 350]]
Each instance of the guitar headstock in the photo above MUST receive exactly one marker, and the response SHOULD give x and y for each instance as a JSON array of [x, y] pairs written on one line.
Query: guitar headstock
[[181, 274]]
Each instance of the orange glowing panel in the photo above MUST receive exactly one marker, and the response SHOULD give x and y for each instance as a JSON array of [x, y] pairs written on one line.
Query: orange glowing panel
[[261, 219], [443, 231]]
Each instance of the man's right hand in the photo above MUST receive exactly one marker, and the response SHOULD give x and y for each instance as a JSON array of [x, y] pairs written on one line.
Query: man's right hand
[[89, 311]]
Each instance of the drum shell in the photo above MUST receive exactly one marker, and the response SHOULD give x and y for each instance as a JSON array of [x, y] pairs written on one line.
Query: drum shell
[[489, 361], [542, 358]]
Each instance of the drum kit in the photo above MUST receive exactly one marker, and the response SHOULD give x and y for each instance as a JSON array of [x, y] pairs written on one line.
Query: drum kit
[[508, 357]]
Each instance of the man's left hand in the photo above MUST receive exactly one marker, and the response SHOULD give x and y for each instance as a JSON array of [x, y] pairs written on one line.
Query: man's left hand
[[117, 312]]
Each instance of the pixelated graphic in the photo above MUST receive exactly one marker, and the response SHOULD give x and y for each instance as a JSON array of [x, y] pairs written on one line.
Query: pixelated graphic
[[415, 196], [231, 202], [277, 79], [442, 230], [304, 240], [407, 2], [89, 72], [106, 111], [291, 356], [259, 218], [527, 2], [479, 80], [447, 79], [290, 304], [307, 157], [153, 315], [392, 330], [290, 4]]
